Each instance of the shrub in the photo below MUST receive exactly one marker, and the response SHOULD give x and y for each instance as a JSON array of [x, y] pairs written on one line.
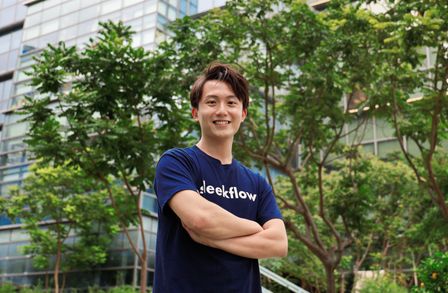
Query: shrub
[[433, 273], [381, 285]]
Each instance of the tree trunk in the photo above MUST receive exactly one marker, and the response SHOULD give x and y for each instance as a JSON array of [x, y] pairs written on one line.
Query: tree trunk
[[143, 274], [64, 279], [342, 283], [57, 266], [331, 282]]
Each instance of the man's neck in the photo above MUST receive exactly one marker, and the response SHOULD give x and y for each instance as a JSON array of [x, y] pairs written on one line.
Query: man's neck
[[218, 149]]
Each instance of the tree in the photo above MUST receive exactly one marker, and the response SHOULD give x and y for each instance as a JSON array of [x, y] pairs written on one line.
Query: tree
[[309, 73], [300, 65], [415, 87], [109, 110], [55, 203]]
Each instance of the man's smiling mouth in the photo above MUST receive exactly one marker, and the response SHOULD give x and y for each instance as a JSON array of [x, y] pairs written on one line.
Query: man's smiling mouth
[[221, 122]]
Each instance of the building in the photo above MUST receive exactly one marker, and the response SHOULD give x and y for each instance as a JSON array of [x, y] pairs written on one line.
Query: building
[[26, 27]]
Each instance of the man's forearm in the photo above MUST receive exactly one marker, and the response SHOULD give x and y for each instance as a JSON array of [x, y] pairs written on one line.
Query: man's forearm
[[271, 242], [208, 219], [220, 224]]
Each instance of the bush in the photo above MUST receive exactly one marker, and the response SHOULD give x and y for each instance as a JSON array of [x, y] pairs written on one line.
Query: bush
[[433, 273], [381, 285], [7, 288]]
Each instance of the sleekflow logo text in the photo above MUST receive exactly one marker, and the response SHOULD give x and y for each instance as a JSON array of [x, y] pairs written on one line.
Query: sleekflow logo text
[[230, 193]]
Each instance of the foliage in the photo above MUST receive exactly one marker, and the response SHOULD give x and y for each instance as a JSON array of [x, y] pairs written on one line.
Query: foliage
[[56, 203], [433, 273], [300, 65], [109, 109], [411, 90], [380, 285]]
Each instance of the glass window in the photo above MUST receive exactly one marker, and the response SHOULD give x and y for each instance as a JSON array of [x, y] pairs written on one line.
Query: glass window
[[193, 8], [131, 2], [14, 159], [13, 144], [35, 8], [6, 187], [18, 235], [5, 89], [50, 13], [89, 26], [383, 128], [150, 7], [15, 129], [3, 105], [173, 2], [183, 6], [16, 39], [114, 259], [136, 40], [162, 8], [148, 36], [171, 13], [70, 6], [33, 20], [109, 6], [48, 39], [50, 3], [161, 20], [86, 3], [132, 12], [50, 26], [31, 33], [20, 12], [149, 21], [4, 62], [68, 33], [7, 16], [69, 19], [89, 13], [16, 266], [5, 237], [387, 147], [23, 88], [112, 17], [117, 241], [3, 264], [13, 118], [5, 42], [368, 148], [413, 148], [136, 24]]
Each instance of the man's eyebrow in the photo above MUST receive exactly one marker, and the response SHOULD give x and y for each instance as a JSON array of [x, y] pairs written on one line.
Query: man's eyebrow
[[215, 96]]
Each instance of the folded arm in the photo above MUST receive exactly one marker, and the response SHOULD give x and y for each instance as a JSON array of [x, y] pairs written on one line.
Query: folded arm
[[271, 242], [209, 220]]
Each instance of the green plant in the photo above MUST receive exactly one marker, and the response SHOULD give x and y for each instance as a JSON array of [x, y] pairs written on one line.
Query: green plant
[[7, 288], [433, 273], [380, 285], [123, 289]]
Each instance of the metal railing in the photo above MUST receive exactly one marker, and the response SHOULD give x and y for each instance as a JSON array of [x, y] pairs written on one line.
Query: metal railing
[[280, 280]]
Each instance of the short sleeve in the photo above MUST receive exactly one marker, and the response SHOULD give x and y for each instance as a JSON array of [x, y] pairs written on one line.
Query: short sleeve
[[174, 173], [268, 208]]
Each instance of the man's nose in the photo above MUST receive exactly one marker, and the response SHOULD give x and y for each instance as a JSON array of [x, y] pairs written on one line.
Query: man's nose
[[222, 108]]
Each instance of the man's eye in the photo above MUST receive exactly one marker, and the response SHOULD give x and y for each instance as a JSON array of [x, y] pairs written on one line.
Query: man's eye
[[210, 102]]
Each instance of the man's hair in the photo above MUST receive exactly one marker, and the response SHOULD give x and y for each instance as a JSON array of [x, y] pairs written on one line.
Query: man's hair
[[221, 72]]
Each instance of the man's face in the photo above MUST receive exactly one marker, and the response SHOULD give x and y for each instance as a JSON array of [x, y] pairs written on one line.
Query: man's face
[[219, 111]]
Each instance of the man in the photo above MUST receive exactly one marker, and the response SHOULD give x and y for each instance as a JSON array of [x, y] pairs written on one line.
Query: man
[[216, 216]]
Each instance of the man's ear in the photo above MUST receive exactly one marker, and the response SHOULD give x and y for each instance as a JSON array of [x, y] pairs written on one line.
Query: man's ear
[[194, 114], [244, 114]]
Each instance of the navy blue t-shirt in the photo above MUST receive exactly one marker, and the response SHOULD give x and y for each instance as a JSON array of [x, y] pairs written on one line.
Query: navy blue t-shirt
[[183, 265]]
